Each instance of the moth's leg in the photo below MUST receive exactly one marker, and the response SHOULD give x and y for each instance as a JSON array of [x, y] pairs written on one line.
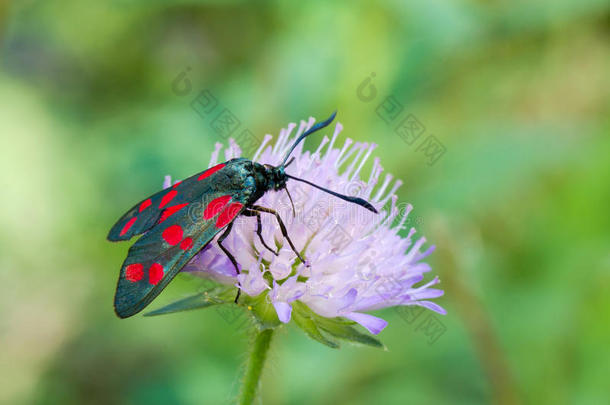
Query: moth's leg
[[259, 229], [282, 228], [229, 255]]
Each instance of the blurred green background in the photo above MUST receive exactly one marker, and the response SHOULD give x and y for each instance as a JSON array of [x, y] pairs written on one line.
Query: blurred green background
[[517, 92]]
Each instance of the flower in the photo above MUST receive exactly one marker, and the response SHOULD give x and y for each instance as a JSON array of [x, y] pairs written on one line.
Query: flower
[[356, 260]]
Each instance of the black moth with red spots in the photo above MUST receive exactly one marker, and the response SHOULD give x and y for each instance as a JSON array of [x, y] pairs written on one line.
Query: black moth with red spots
[[173, 236]]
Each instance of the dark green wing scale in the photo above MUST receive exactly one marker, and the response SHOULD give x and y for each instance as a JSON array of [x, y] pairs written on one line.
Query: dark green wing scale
[[155, 259], [166, 203]]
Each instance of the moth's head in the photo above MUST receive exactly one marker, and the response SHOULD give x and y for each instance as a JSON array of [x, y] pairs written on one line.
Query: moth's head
[[276, 177]]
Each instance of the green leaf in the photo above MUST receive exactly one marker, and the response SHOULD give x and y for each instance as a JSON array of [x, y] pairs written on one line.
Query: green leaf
[[314, 325], [309, 327], [344, 331], [197, 301]]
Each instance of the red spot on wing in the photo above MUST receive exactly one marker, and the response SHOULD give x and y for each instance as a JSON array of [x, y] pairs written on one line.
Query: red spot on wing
[[169, 211], [173, 234], [128, 226], [228, 214], [155, 273], [145, 204], [216, 206], [134, 272], [167, 198], [186, 244], [177, 184], [210, 171]]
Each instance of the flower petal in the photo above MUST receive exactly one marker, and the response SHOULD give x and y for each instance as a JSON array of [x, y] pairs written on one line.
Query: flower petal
[[427, 293], [252, 283], [432, 306], [348, 300], [370, 322], [167, 182], [284, 311]]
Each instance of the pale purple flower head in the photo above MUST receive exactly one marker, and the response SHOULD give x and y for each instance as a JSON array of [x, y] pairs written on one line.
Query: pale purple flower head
[[357, 260]]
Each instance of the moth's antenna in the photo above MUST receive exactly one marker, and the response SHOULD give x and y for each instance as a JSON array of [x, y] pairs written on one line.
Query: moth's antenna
[[355, 200], [311, 130]]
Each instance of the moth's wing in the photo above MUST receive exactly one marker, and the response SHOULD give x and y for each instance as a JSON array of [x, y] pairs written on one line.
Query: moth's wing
[[155, 259], [158, 207]]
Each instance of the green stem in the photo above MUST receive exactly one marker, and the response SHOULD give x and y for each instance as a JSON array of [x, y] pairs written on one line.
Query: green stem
[[256, 363]]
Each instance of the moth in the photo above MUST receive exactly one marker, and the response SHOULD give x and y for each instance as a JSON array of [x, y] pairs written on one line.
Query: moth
[[171, 238]]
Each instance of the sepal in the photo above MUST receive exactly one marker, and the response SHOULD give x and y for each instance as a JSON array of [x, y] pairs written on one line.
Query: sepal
[[310, 328], [197, 301], [324, 330], [206, 299]]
